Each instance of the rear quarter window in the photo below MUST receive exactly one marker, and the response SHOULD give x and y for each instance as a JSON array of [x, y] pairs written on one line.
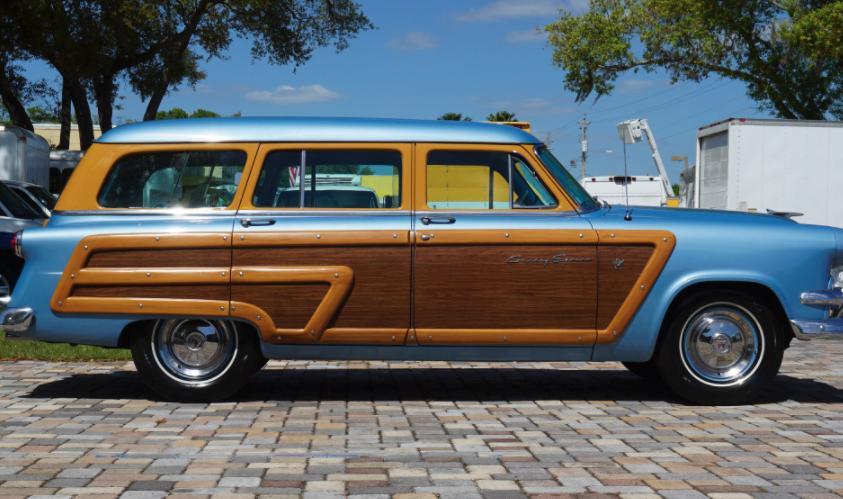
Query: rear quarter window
[[173, 179]]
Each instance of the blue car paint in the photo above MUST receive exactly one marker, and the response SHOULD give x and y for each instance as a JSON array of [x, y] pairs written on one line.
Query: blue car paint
[[52, 246], [313, 129], [784, 256]]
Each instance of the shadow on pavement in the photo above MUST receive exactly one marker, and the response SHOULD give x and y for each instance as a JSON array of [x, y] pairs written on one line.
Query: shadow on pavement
[[432, 384]]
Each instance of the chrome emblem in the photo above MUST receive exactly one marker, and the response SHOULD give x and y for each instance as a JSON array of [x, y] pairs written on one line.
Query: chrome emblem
[[617, 263], [558, 259]]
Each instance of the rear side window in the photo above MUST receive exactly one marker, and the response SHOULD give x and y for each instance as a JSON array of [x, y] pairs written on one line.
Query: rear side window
[[173, 179], [340, 179]]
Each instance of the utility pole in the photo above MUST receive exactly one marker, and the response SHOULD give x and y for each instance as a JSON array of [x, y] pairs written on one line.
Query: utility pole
[[583, 123]]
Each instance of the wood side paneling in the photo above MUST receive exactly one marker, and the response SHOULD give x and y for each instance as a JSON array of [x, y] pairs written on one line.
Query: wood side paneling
[[619, 267], [379, 298], [505, 287], [189, 292], [289, 306], [137, 258]]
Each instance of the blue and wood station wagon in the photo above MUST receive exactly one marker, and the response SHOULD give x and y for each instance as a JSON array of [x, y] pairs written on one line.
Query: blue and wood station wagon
[[209, 246]]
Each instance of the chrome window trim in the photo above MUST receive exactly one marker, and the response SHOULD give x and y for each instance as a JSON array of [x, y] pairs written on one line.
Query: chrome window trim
[[175, 212], [332, 213]]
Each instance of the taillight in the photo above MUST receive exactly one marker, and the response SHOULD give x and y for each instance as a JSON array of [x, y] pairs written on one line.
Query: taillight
[[17, 243]]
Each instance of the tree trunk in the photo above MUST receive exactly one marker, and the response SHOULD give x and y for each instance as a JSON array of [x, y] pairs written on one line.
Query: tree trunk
[[64, 114], [17, 113], [154, 103], [83, 114], [104, 96]]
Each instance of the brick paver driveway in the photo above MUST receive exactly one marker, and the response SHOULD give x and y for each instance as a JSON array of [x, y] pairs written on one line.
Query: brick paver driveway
[[466, 430]]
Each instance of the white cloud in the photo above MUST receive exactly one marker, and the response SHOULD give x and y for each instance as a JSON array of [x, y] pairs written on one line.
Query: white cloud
[[509, 9], [413, 41], [526, 36], [288, 94]]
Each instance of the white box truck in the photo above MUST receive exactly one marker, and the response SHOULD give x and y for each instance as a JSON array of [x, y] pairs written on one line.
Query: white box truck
[[24, 156], [784, 166]]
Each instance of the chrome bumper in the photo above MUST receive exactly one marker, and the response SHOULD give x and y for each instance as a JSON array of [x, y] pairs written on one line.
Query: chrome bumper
[[831, 328], [17, 322]]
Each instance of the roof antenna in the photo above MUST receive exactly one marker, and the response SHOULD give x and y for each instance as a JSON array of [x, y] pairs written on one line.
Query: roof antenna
[[628, 215]]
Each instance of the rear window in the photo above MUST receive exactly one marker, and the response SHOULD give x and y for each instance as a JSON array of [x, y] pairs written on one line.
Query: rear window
[[173, 179]]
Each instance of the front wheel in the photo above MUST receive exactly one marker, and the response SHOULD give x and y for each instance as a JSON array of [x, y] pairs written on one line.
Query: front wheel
[[720, 347], [195, 360]]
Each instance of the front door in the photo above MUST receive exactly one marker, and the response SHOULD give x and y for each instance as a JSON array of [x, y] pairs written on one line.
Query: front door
[[500, 255], [322, 248]]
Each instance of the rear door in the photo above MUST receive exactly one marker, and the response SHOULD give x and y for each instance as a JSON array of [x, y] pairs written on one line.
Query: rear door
[[322, 248], [501, 257]]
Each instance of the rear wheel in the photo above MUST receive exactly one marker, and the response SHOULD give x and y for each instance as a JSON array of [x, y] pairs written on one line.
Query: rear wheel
[[195, 359], [720, 347]]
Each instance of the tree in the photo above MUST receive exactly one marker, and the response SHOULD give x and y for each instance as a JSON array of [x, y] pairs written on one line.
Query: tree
[[453, 117], [501, 116], [282, 32], [179, 113], [154, 44], [203, 113], [175, 113], [787, 52]]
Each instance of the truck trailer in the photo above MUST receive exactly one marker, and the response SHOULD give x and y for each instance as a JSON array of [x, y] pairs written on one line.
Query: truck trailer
[[789, 167], [24, 156]]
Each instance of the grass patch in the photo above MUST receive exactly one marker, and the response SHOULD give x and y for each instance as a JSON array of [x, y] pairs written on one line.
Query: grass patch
[[36, 350]]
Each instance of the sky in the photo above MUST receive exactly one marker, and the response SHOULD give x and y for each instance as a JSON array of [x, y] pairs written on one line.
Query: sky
[[468, 56]]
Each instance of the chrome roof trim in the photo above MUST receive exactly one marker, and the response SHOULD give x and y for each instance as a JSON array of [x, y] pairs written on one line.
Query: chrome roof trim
[[184, 212], [312, 129]]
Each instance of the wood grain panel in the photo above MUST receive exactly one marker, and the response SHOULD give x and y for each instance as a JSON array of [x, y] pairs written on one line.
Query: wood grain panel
[[618, 268], [506, 287], [289, 305], [379, 298], [193, 292], [188, 257]]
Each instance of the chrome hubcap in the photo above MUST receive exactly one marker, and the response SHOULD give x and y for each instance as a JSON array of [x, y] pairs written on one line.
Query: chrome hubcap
[[194, 351], [722, 344]]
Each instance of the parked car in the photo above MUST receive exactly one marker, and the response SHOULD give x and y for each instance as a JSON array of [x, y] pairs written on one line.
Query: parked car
[[37, 197], [489, 250]]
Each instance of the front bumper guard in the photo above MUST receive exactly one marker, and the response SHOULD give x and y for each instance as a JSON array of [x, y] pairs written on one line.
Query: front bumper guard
[[831, 328], [17, 322]]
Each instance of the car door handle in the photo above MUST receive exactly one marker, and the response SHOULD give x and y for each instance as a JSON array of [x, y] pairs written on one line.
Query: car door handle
[[248, 222], [438, 220]]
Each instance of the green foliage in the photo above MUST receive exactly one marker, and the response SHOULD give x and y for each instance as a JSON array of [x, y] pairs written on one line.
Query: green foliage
[[787, 52], [39, 114], [178, 113], [501, 116], [453, 117], [32, 350], [676, 189], [203, 113], [175, 113]]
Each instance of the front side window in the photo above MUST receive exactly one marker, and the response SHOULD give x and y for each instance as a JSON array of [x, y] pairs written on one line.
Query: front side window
[[581, 197], [483, 180], [178, 179], [341, 179]]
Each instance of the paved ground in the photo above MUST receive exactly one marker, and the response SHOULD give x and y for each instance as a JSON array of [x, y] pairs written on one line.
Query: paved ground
[[467, 430]]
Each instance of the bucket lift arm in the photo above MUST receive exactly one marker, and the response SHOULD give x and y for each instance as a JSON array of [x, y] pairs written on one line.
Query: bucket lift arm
[[630, 132]]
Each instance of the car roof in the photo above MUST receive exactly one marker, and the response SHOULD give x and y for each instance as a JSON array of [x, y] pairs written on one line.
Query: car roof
[[311, 129]]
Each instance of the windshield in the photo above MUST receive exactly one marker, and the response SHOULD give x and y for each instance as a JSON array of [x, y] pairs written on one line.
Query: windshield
[[16, 206], [574, 189]]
